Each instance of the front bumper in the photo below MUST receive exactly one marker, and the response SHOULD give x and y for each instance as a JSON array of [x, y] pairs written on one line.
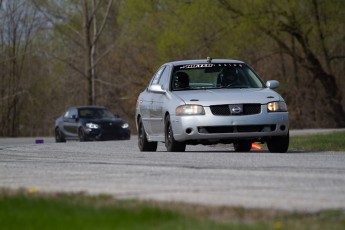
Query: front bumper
[[211, 127], [101, 134]]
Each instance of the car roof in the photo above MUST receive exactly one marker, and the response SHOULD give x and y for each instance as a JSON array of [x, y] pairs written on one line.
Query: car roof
[[201, 61]]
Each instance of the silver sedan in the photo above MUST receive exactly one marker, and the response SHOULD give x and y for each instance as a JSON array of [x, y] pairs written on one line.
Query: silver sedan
[[208, 102]]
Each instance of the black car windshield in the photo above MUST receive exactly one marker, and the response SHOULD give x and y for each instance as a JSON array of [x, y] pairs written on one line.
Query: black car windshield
[[214, 76], [95, 113]]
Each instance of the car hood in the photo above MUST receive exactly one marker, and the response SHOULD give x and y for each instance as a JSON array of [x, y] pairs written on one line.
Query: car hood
[[104, 120], [209, 97]]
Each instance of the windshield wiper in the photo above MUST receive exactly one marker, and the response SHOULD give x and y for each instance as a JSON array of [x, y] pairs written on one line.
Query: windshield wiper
[[235, 87]]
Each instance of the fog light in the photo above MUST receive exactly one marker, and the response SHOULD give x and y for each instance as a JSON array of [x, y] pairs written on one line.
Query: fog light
[[189, 130]]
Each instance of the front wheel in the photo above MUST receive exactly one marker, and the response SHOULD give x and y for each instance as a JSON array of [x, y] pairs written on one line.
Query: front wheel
[[170, 143], [81, 135], [59, 136], [242, 146], [143, 144], [278, 144]]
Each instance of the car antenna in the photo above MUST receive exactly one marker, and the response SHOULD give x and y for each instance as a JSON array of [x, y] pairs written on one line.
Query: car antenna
[[209, 59]]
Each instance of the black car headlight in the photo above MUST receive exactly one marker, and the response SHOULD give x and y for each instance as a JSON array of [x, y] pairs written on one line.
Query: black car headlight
[[125, 125], [190, 110], [92, 125], [277, 106]]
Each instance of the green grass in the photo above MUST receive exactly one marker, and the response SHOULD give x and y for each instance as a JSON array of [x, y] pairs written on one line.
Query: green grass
[[21, 209], [321, 142]]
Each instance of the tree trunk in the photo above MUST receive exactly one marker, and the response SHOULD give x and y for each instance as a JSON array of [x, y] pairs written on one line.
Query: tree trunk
[[328, 81], [93, 54], [87, 52]]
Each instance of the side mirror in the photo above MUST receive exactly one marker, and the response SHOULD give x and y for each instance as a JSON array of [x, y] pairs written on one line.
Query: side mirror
[[75, 117], [157, 89], [272, 84]]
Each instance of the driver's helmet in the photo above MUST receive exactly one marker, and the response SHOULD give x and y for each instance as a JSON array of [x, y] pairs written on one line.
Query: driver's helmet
[[228, 76]]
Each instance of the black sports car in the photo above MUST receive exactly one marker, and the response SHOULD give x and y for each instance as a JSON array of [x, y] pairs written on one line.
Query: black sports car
[[90, 123]]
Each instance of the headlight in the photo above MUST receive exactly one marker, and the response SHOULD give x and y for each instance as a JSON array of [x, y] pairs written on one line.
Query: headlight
[[190, 110], [92, 125], [125, 125], [277, 106]]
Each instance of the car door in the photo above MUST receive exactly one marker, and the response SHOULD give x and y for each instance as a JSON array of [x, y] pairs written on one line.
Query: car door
[[158, 103], [70, 122], [146, 101]]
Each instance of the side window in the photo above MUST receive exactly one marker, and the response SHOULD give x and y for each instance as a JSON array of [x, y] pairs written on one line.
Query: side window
[[74, 113], [70, 113], [67, 115], [156, 77], [164, 80]]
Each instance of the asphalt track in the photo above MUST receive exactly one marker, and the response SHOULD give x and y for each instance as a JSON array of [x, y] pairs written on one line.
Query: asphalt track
[[211, 175]]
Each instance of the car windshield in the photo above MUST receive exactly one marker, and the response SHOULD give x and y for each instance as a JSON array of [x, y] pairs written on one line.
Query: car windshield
[[95, 113], [214, 76]]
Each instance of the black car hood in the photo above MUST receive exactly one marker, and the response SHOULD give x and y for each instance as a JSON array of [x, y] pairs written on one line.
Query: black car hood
[[103, 120]]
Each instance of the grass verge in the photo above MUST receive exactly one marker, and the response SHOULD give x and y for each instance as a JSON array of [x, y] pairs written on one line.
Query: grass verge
[[321, 142], [30, 209]]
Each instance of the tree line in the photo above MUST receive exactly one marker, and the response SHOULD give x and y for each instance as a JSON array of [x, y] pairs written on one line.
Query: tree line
[[55, 54]]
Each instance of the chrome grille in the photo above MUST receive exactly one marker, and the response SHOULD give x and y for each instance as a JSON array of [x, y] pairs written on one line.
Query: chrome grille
[[224, 110]]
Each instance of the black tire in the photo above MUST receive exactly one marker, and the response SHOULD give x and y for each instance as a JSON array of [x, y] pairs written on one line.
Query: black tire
[[81, 135], [242, 146], [170, 143], [278, 144], [59, 136], [143, 144]]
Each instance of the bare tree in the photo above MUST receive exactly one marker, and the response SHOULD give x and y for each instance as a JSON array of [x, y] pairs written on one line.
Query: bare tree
[[18, 24], [90, 42], [85, 34]]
